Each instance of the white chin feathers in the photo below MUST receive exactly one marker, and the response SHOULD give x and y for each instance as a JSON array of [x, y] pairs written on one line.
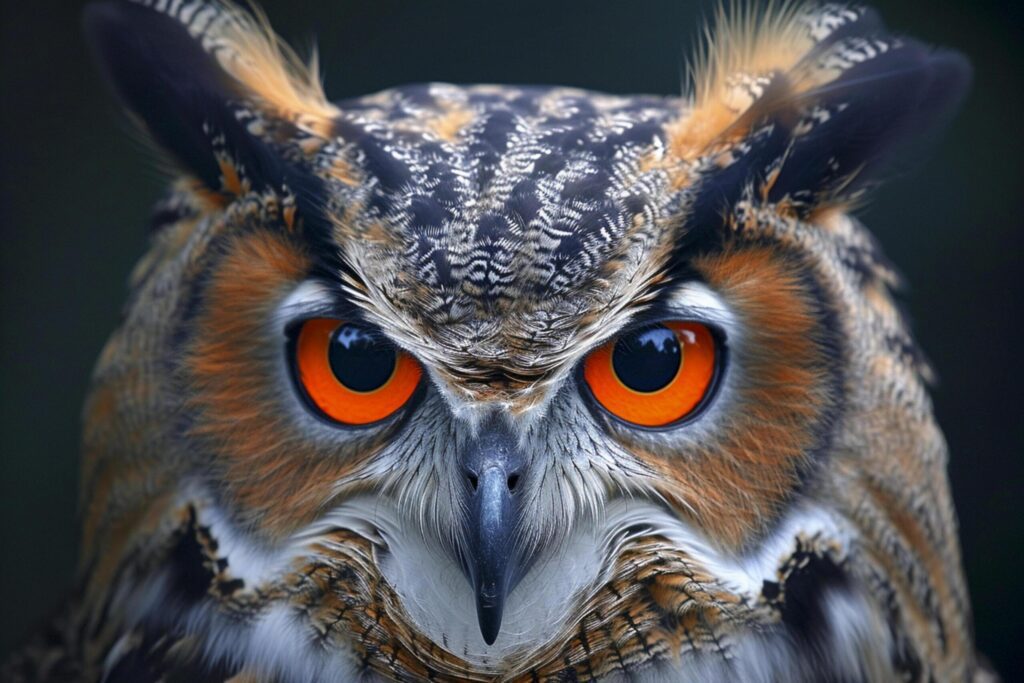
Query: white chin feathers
[[543, 607], [546, 603]]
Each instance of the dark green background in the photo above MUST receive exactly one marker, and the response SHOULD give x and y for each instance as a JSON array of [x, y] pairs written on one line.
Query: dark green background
[[77, 187]]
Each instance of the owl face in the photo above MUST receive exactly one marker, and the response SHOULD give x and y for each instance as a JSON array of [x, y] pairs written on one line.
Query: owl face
[[510, 382]]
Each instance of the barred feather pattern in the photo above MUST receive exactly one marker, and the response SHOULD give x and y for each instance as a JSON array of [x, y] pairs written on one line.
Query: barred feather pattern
[[800, 528]]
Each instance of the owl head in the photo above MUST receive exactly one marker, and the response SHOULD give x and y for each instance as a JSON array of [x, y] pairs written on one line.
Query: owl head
[[495, 382]]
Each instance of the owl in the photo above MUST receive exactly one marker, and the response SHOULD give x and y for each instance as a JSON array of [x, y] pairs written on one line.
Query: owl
[[495, 383]]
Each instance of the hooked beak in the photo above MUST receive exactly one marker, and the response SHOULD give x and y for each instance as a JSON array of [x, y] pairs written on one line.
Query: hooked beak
[[492, 467]]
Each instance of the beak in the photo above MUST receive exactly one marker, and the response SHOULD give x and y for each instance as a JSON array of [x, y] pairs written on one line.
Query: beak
[[492, 467]]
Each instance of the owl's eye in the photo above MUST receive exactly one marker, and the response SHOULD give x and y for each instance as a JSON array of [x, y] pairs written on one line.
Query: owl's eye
[[653, 376], [352, 375]]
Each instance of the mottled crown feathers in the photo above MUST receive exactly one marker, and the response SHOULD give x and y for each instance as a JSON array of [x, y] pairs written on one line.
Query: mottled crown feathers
[[796, 103]]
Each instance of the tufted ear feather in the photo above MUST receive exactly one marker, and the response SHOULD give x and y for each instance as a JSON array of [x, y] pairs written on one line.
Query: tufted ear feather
[[212, 86], [800, 107]]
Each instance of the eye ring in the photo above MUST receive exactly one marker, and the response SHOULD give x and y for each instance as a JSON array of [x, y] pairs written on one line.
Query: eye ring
[[648, 391], [349, 375]]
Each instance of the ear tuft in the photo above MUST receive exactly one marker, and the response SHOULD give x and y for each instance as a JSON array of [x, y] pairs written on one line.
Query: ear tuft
[[247, 48], [216, 89], [801, 104]]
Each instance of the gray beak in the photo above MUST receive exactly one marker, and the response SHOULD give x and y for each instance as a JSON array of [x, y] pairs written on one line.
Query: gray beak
[[492, 467]]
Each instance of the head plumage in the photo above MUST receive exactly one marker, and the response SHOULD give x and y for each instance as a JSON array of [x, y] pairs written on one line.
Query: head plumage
[[801, 102]]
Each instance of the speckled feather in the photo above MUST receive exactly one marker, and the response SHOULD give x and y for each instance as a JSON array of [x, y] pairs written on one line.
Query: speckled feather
[[800, 528]]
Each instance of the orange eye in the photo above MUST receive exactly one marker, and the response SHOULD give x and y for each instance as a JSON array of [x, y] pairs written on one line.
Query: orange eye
[[653, 376], [352, 375]]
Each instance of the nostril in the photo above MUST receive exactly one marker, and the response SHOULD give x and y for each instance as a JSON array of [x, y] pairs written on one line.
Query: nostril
[[474, 481], [513, 481]]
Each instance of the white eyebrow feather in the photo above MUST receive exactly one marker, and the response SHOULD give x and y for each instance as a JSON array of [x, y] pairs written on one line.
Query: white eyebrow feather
[[696, 299], [308, 298]]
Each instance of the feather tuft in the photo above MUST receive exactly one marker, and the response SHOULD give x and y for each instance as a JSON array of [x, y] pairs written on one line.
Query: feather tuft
[[743, 46], [245, 45], [800, 105]]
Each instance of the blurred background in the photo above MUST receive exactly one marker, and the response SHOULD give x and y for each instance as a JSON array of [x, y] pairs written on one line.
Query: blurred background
[[77, 187]]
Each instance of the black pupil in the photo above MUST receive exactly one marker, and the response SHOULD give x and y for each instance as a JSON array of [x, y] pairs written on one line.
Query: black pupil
[[359, 360], [648, 359]]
